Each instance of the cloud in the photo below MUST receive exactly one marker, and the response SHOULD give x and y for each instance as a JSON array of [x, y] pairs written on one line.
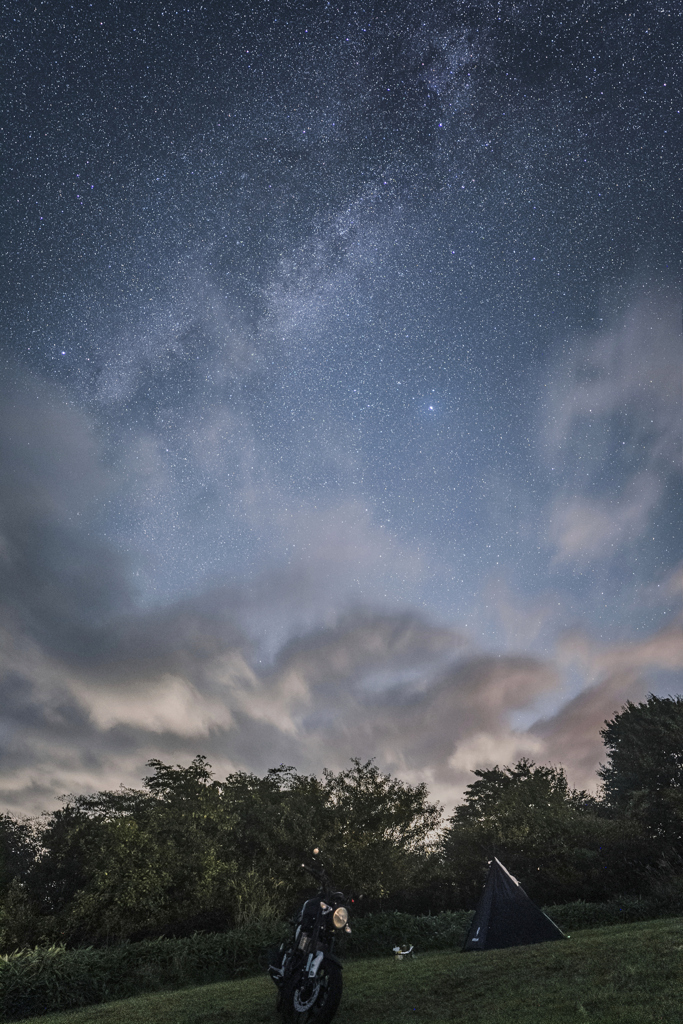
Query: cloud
[[612, 430], [363, 642], [583, 528], [631, 370], [304, 662], [396, 687], [455, 723], [572, 736], [390, 684], [187, 329], [56, 578], [94, 681], [615, 673], [374, 683], [66, 589]]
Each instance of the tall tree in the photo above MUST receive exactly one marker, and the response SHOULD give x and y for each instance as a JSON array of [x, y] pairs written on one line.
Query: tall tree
[[374, 830], [19, 845], [379, 830], [18, 848], [558, 841], [129, 863], [643, 776], [188, 852]]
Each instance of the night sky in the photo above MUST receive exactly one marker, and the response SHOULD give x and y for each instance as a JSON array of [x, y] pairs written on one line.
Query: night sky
[[340, 401]]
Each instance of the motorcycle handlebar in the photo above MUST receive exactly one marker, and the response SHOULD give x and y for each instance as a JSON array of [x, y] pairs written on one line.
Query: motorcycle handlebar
[[319, 874]]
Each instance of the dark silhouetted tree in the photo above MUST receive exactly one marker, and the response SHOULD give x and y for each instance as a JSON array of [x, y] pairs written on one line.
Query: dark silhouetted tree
[[559, 842], [643, 776]]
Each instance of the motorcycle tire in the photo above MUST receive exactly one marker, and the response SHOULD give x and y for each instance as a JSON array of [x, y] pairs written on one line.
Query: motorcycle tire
[[303, 1001]]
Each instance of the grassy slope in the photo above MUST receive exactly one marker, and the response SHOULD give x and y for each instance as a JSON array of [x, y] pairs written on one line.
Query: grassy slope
[[626, 973]]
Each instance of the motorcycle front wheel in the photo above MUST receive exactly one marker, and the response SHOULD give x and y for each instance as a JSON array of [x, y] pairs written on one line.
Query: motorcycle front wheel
[[312, 1001]]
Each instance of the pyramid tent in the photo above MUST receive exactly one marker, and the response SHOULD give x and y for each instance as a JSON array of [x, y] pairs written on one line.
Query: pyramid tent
[[506, 916]]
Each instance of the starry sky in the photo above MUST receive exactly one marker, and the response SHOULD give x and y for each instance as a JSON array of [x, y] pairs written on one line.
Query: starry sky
[[340, 385]]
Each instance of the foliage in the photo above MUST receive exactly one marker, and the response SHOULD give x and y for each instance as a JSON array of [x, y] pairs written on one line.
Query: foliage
[[643, 777], [559, 842], [190, 853], [377, 934], [373, 829], [127, 863], [377, 830], [187, 852], [571, 917], [20, 924], [34, 981], [629, 973], [19, 846]]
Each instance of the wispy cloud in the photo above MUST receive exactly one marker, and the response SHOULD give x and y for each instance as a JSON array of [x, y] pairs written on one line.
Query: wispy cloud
[[612, 430], [584, 528], [613, 673]]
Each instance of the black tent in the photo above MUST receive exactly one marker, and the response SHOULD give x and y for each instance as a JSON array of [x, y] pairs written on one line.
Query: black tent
[[506, 916]]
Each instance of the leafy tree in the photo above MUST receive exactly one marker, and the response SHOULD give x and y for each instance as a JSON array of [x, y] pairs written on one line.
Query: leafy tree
[[558, 841], [70, 839], [379, 831], [374, 830], [130, 863], [19, 921], [18, 848], [187, 852], [643, 777], [196, 838]]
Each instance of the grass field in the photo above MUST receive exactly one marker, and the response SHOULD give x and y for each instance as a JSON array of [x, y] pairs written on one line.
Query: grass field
[[626, 973]]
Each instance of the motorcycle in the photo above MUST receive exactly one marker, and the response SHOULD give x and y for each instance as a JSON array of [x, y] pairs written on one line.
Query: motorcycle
[[306, 971]]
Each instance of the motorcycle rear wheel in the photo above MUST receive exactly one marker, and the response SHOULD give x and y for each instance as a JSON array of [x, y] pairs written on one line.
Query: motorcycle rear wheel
[[304, 1002]]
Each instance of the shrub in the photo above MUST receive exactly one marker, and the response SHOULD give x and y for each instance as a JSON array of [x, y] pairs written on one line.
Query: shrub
[[377, 934], [574, 916], [45, 979]]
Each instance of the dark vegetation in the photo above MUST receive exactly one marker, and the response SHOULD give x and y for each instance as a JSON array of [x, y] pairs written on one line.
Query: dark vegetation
[[36, 981], [618, 975], [188, 879], [188, 853]]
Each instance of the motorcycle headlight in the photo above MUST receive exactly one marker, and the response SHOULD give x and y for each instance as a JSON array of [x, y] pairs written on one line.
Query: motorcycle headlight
[[340, 917]]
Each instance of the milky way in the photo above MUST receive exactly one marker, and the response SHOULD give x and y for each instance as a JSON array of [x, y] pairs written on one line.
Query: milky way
[[341, 399]]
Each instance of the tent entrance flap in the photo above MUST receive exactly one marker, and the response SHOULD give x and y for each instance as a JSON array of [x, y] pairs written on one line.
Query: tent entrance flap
[[505, 916]]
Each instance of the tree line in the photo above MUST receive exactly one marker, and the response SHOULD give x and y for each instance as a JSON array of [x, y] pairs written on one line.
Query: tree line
[[187, 852]]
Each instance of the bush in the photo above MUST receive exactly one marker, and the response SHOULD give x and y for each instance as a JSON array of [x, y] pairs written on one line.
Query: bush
[[574, 916], [377, 934], [45, 979]]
